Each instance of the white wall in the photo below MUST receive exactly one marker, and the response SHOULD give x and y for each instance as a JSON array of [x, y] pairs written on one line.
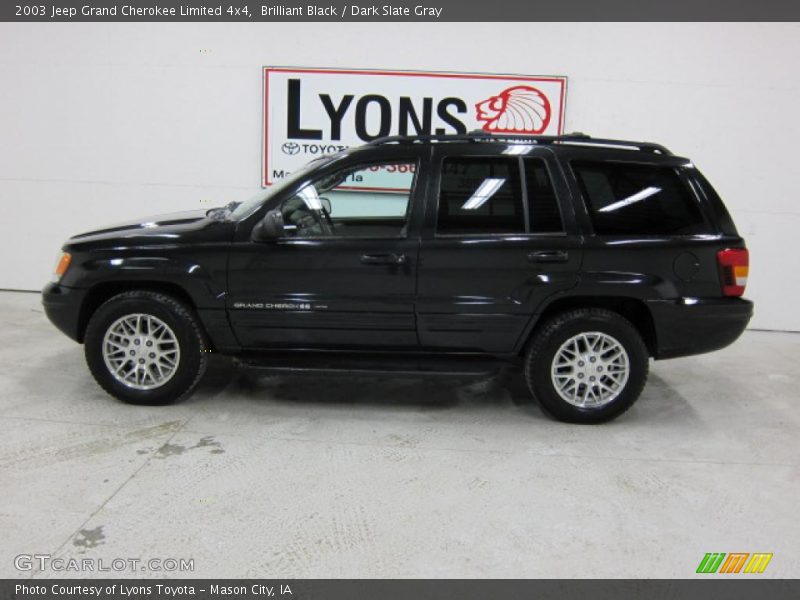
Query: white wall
[[101, 122]]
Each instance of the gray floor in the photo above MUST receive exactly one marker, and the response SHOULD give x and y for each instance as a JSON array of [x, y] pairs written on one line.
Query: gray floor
[[376, 477]]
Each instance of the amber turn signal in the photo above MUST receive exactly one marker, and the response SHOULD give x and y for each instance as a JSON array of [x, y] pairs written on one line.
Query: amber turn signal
[[62, 265]]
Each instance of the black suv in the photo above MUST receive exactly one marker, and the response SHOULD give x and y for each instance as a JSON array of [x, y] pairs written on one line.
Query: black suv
[[573, 257]]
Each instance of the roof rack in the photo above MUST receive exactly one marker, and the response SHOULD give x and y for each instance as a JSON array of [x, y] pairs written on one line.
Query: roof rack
[[576, 138]]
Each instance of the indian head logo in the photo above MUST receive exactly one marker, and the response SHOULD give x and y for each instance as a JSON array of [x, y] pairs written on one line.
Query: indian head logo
[[518, 109]]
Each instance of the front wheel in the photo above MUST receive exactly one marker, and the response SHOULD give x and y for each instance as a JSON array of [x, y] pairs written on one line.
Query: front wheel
[[145, 347], [586, 365]]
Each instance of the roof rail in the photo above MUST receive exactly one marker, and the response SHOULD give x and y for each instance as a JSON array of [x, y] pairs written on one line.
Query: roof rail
[[575, 138]]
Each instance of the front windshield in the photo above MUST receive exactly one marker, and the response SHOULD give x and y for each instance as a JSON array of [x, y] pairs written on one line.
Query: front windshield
[[254, 202]]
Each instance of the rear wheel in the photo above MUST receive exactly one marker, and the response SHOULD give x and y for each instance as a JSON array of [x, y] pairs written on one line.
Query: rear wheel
[[586, 365], [145, 347]]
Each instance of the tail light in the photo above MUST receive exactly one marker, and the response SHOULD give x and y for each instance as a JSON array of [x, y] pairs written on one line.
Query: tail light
[[734, 265]]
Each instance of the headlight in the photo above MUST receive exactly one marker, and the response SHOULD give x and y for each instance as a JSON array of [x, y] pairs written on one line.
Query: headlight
[[62, 264]]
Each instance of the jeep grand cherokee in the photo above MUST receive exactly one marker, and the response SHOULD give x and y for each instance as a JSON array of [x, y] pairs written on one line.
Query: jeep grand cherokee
[[578, 259]]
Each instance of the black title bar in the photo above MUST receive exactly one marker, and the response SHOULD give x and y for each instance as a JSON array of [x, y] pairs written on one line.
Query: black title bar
[[397, 10], [730, 588]]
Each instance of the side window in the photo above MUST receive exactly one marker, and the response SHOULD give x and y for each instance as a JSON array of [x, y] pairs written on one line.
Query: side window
[[480, 195], [625, 198], [365, 201], [544, 215]]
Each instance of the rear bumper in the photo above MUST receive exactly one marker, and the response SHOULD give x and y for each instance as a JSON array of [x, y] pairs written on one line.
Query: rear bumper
[[698, 325], [62, 305]]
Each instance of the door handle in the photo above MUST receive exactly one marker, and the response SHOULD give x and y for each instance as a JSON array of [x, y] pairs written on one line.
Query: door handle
[[548, 256], [383, 259]]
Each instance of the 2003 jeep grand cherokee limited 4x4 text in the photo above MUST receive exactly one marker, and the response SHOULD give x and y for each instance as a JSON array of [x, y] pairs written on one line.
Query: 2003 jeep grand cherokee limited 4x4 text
[[575, 258]]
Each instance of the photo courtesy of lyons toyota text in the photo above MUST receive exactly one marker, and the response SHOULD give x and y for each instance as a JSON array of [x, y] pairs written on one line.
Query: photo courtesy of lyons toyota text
[[319, 301]]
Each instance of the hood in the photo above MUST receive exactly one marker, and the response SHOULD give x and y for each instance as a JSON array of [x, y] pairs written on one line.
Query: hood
[[160, 229]]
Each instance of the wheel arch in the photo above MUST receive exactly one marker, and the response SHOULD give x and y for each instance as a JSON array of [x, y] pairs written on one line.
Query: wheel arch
[[102, 292], [632, 309]]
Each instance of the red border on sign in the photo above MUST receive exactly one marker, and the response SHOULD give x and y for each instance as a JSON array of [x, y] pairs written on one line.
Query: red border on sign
[[562, 81], [373, 189]]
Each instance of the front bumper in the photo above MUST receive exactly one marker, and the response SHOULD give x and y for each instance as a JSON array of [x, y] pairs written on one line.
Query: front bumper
[[697, 325], [62, 305]]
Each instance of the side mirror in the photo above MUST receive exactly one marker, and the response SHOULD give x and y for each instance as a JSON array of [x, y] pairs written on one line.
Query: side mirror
[[269, 228], [326, 205]]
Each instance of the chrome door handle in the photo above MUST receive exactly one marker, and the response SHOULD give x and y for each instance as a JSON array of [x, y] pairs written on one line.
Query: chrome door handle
[[383, 259], [548, 256]]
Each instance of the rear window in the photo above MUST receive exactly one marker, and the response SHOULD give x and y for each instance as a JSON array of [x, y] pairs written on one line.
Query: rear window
[[625, 198], [488, 195], [480, 195], [544, 215]]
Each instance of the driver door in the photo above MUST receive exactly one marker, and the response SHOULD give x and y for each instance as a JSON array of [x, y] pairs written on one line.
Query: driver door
[[343, 273]]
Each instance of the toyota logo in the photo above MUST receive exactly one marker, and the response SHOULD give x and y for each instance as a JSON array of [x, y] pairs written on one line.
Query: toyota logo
[[290, 148]]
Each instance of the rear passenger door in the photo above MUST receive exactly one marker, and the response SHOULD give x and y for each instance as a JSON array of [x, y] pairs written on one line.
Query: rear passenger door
[[496, 243]]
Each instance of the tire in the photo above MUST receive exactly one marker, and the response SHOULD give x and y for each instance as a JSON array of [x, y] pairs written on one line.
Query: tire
[[560, 355], [167, 342]]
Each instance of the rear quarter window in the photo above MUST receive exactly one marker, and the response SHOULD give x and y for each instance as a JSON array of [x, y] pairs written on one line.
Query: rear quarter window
[[627, 198]]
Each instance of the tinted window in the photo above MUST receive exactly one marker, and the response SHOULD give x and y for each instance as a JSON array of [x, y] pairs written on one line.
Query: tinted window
[[544, 215], [625, 198], [723, 217], [480, 195]]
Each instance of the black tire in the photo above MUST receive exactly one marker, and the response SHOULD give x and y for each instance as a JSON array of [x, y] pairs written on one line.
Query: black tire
[[548, 339], [181, 320]]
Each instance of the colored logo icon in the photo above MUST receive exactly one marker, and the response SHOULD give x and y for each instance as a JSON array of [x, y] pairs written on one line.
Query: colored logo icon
[[735, 562], [518, 109]]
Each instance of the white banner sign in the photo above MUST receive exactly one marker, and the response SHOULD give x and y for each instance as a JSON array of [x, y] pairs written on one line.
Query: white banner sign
[[311, 112]]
